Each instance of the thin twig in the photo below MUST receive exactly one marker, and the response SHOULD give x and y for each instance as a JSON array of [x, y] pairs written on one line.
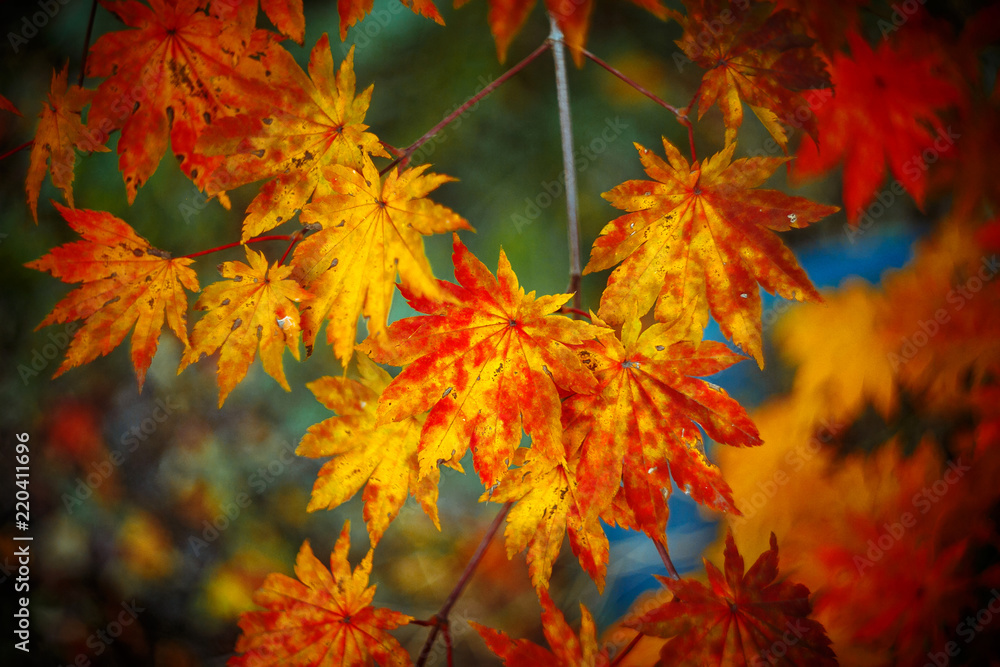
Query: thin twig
[[681, 114], [26, 144], [665, 557], [569, 164], [440, 619], [625, 651], [409, 150], [575, 311], [86, 42], [276, 237]]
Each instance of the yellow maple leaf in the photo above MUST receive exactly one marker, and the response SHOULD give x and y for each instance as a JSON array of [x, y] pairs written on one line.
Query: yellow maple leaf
[[255, 308], [372, 230], [382, 459]]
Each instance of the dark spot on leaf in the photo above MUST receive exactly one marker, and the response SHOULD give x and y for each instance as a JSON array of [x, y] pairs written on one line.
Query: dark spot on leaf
[[446, 392], [342, 223], [207, 117], [194, 173], [334, 262], [111, 301], [279, 218], [259, 152], [267, 121], [225, 302], [260, 328], [238, 279], [659, 348], [236, 323], [137, 252]]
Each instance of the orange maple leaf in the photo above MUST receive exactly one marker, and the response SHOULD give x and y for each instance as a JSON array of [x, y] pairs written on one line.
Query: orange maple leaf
[[548, 506], [886, 107], [239, 18], [314, 123], [7, 105], [372, 230], [162, 84], [485, 363], [324, 618], [742, 618], [59, 132], [645, 416], [352, 11], [756, 56], [568, 650], [382, 459], [698, 239], [256, 307], [507, 17], [126, 282]]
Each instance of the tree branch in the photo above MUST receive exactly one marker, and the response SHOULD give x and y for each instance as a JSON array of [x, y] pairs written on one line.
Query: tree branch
[[405, 154], [440, 620], [566, 135]]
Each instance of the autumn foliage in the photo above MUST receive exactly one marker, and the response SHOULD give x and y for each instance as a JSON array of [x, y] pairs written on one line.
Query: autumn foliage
[[612, 402]]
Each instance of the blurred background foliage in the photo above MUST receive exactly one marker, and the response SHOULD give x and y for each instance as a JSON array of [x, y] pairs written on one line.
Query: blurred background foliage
[[162, 499]]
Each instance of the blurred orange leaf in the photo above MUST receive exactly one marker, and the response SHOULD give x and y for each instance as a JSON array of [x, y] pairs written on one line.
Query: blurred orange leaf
[[567, 649], [742, 618]]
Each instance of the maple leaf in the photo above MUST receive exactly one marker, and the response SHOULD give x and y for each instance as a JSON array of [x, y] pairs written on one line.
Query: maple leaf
[[645, 416], [756, 56], [352, 11], [886, 107], [741, 618], [568, 650], [383, 460], [696, 239], [548, 506], [255, 307], [372, 229], [126, 282], [324, 618], [507, 17], [159, 86], [315, 122], [59, 131], [485, 363], [239, 18], [7, 105]]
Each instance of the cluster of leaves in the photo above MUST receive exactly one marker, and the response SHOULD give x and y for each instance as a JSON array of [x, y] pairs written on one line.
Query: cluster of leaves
[[613, 408]]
